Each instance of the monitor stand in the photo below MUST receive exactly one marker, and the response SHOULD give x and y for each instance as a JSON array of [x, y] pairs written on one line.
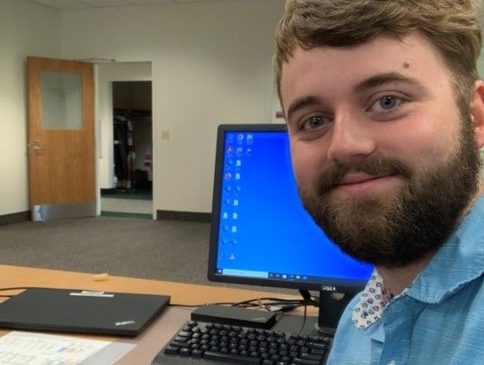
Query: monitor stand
[[331, 307]]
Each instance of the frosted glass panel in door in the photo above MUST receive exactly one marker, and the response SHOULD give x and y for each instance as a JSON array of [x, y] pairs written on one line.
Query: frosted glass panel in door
[[61, 100]]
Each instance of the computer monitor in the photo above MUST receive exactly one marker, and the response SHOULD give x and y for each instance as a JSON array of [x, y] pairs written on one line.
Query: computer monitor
[[260, 232]]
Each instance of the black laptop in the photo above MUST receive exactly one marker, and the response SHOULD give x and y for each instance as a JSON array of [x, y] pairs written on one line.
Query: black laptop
[[80, 311]]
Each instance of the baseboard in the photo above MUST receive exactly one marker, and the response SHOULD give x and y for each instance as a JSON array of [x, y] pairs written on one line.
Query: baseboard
[[14, 218], [105, 213], [183, 216]]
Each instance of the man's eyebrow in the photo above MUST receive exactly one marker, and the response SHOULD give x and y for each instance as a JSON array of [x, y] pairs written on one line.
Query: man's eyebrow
[[367, 84], [386, 78], [300, 104]]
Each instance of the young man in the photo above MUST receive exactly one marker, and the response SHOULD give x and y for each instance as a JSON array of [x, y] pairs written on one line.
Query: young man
[[385, 114]]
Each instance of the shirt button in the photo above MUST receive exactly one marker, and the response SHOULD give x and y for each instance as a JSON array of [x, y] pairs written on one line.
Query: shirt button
[[392, 363]]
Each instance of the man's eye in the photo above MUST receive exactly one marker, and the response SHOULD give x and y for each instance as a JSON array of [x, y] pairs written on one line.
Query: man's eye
[[387, 102], [313, 122]]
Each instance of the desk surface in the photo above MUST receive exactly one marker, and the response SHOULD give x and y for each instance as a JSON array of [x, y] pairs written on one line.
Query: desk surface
[[152, 339]]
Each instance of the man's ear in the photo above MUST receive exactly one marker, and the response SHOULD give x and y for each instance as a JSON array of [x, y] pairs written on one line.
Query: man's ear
[[477, 112]]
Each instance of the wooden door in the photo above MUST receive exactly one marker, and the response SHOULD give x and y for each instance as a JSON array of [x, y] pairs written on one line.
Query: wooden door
[[61, 138]]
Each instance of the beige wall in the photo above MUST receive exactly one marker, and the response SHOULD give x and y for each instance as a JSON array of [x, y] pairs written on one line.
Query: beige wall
[[211, 63], [25, 29]]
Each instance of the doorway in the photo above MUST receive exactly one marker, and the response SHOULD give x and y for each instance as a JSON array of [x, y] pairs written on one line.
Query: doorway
[[125, 142], [132, 191], [132, 136]]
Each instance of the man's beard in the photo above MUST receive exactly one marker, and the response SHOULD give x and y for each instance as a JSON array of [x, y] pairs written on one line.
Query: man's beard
[[395, 231]]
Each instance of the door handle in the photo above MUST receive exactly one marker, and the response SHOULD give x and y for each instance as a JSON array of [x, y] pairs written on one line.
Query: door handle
[[36, 147]]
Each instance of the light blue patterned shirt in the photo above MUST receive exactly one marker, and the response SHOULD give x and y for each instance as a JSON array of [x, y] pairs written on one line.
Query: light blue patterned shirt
[[438, 320]]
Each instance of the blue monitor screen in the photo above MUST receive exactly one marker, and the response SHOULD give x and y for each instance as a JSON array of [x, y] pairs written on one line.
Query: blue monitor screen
[[260, 232]]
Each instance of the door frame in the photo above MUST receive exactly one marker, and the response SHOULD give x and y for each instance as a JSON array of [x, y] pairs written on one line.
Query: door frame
[[104, 75]]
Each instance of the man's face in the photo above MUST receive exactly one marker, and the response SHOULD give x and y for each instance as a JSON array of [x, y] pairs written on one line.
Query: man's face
[[385, 161]]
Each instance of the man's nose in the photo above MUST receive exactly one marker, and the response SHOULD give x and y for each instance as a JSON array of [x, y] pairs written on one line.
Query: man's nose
[[351, 139]]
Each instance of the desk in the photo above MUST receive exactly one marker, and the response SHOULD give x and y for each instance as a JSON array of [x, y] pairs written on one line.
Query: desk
[[149, 343]]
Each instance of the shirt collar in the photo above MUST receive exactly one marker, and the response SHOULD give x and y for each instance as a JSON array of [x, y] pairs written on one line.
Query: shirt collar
[[373, 301], [459, 261]]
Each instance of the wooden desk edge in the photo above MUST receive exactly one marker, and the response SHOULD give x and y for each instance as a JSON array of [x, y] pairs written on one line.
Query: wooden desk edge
[[181, 293]]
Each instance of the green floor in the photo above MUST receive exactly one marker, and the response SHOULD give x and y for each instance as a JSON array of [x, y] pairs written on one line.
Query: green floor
[[125, 215], [127, 194]]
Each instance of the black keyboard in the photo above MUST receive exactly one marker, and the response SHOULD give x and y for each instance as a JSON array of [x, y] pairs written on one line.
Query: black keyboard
[[204, 343]]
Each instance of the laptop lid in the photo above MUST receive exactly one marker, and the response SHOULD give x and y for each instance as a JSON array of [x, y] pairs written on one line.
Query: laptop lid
[[78, 311]]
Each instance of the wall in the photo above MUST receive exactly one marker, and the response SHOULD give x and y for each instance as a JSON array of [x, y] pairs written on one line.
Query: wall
[[26, 29], [211, 63]]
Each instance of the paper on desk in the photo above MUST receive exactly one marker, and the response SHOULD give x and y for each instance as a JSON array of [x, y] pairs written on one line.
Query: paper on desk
[[27, 348]]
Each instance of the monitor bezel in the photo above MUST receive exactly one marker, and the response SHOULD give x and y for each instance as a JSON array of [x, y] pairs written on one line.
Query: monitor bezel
[[329, 284]]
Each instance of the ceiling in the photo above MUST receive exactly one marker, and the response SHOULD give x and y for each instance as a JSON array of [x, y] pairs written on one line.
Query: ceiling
[[91, 4]]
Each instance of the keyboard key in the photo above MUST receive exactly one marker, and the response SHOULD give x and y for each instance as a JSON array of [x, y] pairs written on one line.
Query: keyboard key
[[300, 361], [184, 351], [171, 350], [235, 359], [318, 345], [307, 356]]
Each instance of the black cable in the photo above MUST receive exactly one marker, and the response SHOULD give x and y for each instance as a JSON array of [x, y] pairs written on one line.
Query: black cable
[[8, 289], [282, 305], [308, 297], [305, 316], [15, 288], [184, 305], [266, 302], [282, 300]]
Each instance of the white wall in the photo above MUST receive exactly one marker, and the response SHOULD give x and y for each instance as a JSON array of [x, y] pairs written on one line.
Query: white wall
[[211, 63], [26, 29]]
